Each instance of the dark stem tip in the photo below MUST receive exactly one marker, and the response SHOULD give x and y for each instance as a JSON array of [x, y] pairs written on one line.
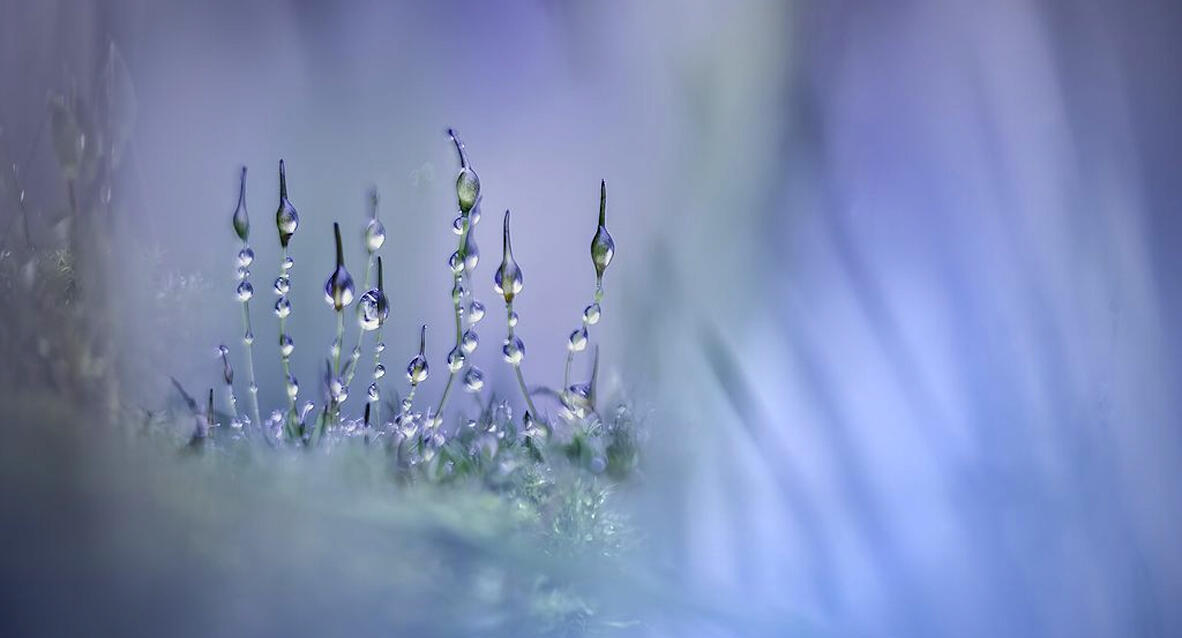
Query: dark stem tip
[[602, 201], [336, 231]]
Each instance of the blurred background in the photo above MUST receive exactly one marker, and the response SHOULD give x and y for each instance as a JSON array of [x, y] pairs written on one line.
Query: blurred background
[[894, 290]]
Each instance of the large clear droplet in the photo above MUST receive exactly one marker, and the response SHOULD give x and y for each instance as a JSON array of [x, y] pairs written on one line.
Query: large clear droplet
[[455, 359], [379, 371], [455, 263], [241, 219], [338, 390], [514, 350], [602, 246], [372, 310], [457, 225], [473, 379], [381, 347], [475, 312], [578, 340], [508, 281], [288, 262], [245, 291], [471, 253], [457, 292], [469, 341], [338, 289], [602, 250], [245, 257], [467, 188], [417, 370], [286, 345], [591, 314], [282, 285], [373, 393], [282, 307], [375, 235], [286, 217]]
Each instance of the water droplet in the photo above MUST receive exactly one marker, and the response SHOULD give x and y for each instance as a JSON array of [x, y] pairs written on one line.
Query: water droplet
[[375, 235], [473, 379], [591, 314], [372, 310], [406, 404], [245, 291], [513, 319], [467, 188], [457, 293], [241, 220], [242, 272], [508, 281], [475, 312], [288, 262], [602, 246], [455, 263], [455, 359], [335, 348], [245, 257], [223, 350], [381, 347], [373, 393], [338, 289], [471, 253], [248, 338], [282, 307], [379, 371], [578, 340], [282, 285], [469, 341], [293, 386], [286, 345], [417, 370], [338, 390], [514, 350], [286, 217], [253, 388], [457, 225]]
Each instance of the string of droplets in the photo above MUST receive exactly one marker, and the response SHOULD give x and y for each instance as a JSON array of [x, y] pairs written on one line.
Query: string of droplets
[[508, 282], [579, 398], [287, 220], [462, 263], [241, 223]]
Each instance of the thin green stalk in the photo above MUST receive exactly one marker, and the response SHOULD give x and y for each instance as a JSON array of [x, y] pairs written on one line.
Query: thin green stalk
[[517, 366], [457, 302], [249, 342], [286, 359], [377, 360], [355, 354]]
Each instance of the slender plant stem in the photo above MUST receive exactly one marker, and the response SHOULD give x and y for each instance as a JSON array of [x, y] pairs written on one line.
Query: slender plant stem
[[377, 360], [253, 389], [355, 354], [457, 278], [517, 366], [286, 359]]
